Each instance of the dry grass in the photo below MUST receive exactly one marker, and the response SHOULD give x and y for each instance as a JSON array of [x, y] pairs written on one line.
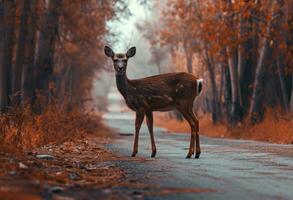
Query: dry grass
[[276, 128], [22, 129]]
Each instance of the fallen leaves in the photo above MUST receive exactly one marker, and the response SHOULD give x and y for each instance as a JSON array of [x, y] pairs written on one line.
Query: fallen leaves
[[58, 169]]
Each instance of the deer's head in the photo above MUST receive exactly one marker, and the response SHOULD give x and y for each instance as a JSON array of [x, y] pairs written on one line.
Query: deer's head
[[120, 59]]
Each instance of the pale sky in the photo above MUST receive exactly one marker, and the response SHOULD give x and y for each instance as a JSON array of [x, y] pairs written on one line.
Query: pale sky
[[127, 26]]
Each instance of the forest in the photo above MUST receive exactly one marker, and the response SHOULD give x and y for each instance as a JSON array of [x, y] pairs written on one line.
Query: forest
[[57, 87], [242, 49], [245, 48], [51, 55]]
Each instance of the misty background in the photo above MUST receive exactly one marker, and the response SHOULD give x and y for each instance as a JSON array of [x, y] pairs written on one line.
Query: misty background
[[127, 30]]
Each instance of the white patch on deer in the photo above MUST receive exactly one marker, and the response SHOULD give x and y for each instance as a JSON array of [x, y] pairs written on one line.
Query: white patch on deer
[[199, 84]]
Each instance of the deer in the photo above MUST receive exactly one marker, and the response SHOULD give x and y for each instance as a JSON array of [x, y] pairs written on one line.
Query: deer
[[164, 92]]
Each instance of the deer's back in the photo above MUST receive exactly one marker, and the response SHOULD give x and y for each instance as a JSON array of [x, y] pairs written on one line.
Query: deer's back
[[162, 92]]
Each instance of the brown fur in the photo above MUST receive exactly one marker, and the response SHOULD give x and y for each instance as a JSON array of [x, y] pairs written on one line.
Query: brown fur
[[161, 92], [165, 92]]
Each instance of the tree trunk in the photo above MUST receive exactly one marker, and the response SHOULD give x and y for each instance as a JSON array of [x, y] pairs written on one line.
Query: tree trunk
[[246, 52], [3, 99], [236, 108], [256, 109], [215, 102], [16, 86], [228, 94], [6, 46], [236, 112], [281, 75], [45, 55], [188, 56], [28, 83], [189, 62], [290, 48], [158, 64], [291, 98]]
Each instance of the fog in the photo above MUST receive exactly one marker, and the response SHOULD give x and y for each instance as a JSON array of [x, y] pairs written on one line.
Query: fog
[[126, 34]]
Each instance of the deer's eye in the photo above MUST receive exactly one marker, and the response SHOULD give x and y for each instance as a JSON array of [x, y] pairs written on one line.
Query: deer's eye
[[115, 60]]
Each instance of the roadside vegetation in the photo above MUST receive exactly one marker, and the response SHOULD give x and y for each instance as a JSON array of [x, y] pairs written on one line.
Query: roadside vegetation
[[242, 50], [50, 56]]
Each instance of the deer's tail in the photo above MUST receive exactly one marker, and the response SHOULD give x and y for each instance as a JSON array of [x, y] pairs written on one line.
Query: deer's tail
[[199, 83]]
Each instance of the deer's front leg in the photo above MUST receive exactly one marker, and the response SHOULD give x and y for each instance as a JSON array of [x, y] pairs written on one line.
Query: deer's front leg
[[138, 122], [149, 117]]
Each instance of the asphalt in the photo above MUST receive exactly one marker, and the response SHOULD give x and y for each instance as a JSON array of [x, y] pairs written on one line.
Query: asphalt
[[227, 168]]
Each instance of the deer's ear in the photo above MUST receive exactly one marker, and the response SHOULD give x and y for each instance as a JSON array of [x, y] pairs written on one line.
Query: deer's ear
[[109, 52], [131, 52]]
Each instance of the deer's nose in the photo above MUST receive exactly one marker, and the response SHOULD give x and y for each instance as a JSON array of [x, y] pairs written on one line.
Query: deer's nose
[[120, 68]]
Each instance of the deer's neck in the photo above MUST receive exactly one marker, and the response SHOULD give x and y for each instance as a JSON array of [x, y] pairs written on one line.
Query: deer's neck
[[122, 83]]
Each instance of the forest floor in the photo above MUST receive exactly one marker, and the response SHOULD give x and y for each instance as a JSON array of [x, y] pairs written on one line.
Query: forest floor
[[274, 129], [80, 168]]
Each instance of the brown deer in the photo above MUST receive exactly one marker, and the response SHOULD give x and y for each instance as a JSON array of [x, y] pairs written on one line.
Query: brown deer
[[165, 92]]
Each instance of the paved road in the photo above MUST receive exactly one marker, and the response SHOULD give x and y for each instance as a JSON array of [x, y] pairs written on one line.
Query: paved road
[[227, 169]]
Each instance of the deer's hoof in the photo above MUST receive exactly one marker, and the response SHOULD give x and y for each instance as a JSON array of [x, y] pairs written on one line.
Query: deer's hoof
[[197, 155], [153, 154], [133, 154], [188, 156]]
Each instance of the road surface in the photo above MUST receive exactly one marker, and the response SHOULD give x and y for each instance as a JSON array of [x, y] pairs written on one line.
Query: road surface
[[227, 169]]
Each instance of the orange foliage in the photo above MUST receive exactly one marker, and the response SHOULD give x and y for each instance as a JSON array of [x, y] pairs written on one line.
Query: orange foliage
[[214, 23], [275, 128], [21, 129], [79, 56]]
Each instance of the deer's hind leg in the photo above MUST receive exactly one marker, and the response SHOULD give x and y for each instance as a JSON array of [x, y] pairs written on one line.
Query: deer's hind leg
[[196, 122], [193, 122], [138, 122], [149, 118]]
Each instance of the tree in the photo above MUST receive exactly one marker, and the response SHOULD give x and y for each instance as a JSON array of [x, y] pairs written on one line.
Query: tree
[[28, 73], [247, 51], [178, 29], [45, 55], [20, 52], [7, 28], [256, 109]]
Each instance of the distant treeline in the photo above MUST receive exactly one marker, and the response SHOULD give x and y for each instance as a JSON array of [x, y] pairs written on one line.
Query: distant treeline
[[50, 50], [246, 48]]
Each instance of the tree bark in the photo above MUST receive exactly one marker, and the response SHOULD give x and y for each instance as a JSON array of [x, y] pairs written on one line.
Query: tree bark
[[228, 94], [189, 63], [215, 99], [236, 108], [236, 112], [6, 46], [291, 98], [256, 109], [45, 55], [188, 56], [28, 82], [246, 66], [290, 49], [20, 54], [3, 102], [281, 75]]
